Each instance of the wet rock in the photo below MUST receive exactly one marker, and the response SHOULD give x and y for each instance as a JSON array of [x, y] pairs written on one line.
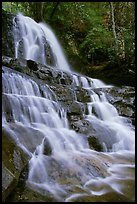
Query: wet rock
[[15, 64], [46, 72], [79, 125], [62, 81], [47, 148], [82, 95], [33, 139], [63, 93], [9, 182], [6, 60], [98, 136], [13, 161], [32, 65], [75, 108], [7, 34], [66, 79], [95, 144], [24, 194], [6, 106], [123, 99]]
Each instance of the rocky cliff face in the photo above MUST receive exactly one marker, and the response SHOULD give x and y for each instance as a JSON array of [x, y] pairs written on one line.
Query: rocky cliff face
[[72, 97]]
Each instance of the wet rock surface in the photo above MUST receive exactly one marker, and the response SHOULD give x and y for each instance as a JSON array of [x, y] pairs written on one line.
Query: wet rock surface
[[13, 162], [123, 98], [74, 100], [7, 34]]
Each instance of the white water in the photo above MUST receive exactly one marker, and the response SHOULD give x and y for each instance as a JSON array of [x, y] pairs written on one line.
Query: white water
[[44, 122], [33, 36], [71, 170]]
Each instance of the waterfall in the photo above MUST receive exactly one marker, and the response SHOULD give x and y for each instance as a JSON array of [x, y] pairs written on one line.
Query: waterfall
[[31, 39], [61, 162]]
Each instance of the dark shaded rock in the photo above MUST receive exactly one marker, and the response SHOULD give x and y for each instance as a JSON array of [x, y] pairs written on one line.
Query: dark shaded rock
[[47, 150], [18, 64], [62, 81], [7, 34], [46, 72], [37, 70], [82, 95], [15, 64], [79, 125], [28, 195], [6, 106], [75, 108], [63, 93], [24, 194], [62, 78], [66, 79], [123, 99], [32, 65], [47, 147], [94, 144]]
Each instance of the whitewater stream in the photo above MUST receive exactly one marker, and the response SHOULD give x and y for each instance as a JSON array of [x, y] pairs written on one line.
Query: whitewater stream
[[61, 164]]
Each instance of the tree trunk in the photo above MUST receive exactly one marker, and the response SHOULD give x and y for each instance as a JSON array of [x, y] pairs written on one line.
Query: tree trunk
[[114, 28]]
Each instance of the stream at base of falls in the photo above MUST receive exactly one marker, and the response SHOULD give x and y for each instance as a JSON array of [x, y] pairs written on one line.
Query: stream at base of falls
[[62, 166]]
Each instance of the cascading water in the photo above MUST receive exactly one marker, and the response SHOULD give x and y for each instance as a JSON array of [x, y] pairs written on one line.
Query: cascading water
[[31, 40], [61, 163]]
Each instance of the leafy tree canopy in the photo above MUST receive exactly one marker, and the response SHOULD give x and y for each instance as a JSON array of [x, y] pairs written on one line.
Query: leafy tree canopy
[[86, 29]]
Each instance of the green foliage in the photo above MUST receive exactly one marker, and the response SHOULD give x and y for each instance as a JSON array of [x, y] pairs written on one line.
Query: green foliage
[[85, 28], [98, 40], [16, 7], [125, 20], [98, 43]]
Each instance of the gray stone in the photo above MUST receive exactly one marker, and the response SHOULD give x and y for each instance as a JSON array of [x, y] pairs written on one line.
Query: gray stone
[[8, 182], [13, 162]]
